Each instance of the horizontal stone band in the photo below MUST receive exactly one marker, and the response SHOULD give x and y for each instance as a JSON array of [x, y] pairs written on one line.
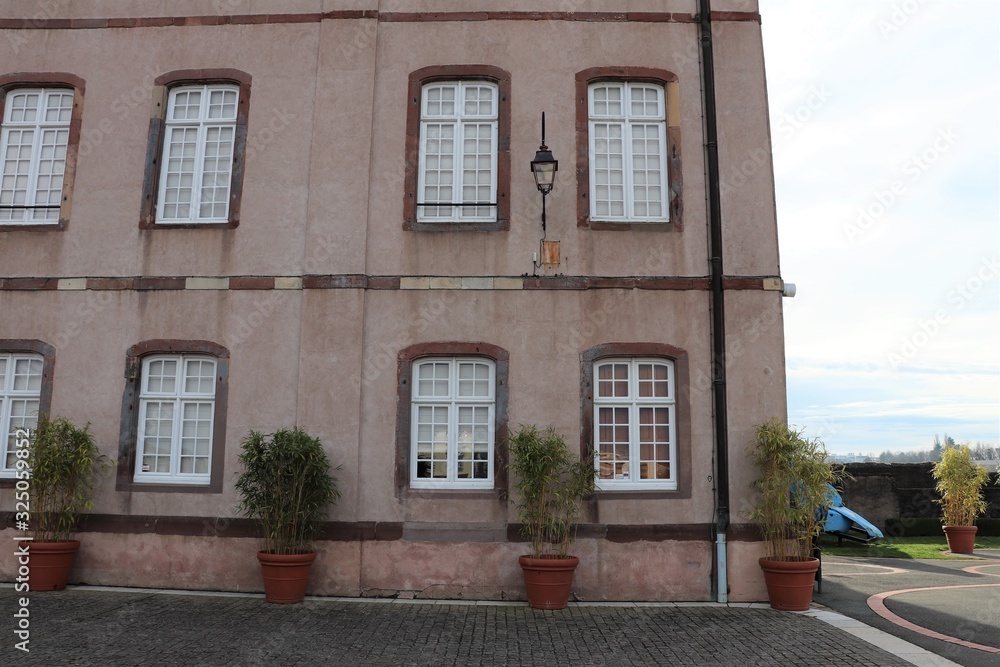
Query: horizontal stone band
[[365, 282]]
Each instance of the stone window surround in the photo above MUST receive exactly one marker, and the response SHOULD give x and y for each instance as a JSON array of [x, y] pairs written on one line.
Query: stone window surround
[[127, 445], [417, 80], [674, 174], [404, 370], [51, 80], [48, 353], [157, 130], [682, 406]]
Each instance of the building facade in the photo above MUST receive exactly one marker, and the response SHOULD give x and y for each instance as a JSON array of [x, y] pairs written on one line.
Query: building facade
[[253, 214]]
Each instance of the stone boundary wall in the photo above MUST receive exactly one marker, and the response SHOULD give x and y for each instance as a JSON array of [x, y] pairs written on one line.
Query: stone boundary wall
[[897, 492]]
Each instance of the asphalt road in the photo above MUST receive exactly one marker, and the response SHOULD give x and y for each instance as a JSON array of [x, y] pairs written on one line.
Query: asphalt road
[[958, 599]]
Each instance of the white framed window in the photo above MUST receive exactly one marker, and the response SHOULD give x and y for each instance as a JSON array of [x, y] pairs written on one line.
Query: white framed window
[[635, 423], [20, 397], [628, 152], [176, 419], [33, 146], [453, 404], [196, 170], [457, 175]]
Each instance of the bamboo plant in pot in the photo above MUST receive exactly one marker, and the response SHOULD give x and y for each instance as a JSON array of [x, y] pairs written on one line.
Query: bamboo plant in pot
[[550, 486], [794, 488], [64, 461], [960, 482], [286, 485]]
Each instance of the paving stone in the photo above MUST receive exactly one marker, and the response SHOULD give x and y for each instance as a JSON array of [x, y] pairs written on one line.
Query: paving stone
[[82, 626]]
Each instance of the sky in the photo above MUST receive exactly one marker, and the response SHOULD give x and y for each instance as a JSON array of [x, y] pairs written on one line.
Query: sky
[[885, 122]]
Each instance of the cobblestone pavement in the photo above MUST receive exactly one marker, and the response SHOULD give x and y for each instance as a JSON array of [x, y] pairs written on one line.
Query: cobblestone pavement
[[82, 626]]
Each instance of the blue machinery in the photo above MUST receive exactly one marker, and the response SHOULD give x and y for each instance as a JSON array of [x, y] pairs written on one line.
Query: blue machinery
[[846, 524]]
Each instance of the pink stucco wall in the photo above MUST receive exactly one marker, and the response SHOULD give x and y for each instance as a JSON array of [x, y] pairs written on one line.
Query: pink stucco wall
[[323, 195]]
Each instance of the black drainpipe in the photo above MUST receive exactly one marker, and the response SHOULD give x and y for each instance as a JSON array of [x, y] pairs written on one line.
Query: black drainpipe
[[718, 306]]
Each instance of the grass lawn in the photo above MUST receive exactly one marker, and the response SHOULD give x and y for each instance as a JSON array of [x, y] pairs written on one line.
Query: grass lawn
[[901, 547]]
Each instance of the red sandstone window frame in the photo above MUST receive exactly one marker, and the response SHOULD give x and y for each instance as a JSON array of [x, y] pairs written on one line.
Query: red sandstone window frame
[[128, 433], [589, 358], [417, 80], [669, 82], [48, 354], [9, 82], [162, 86], [404, 402]]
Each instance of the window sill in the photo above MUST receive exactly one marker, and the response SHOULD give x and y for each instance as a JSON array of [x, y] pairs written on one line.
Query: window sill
[[162, 487], [496, 226], [190, 225], [603, 226], [34, 227], [658, 493], [411, 493]]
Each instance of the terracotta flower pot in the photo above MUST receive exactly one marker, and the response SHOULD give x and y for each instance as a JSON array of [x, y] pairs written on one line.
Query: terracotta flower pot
[[961, 539], [286, 576], [49, 564], [548, 581], [790, 582]]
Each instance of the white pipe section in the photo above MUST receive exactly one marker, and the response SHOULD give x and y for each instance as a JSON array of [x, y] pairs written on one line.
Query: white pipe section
[[723, 578]]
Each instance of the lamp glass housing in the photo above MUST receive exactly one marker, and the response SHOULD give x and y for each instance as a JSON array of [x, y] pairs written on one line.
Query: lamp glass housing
[[544, 168]]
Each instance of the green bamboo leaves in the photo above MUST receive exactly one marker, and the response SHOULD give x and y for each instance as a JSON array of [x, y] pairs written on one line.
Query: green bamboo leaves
[[793, 480], [960, 482], [64, 462], [286, 485], [550, 484]]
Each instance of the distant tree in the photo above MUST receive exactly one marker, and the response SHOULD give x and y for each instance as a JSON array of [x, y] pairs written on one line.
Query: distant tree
[[982, 451], [938, 447], [985, 451]]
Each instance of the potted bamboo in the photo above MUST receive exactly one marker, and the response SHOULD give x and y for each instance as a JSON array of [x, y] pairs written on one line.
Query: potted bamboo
[[794, 485], [960, 482], [64, 461], [550, 486], [286, 485]]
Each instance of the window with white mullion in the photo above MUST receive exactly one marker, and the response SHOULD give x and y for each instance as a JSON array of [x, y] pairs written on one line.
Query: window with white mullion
[[48, 178], [9, 443], [628, 168], [176, 419], [452, 429], [635, 424], [479, 165], [216, 172], [437, 177], [195, 437], [198, 151], [648, 175], [20, 395], [33, 145], [608, 177], [457, 178]]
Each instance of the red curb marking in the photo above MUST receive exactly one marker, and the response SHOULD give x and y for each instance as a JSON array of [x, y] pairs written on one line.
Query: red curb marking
[[877, 604], [975, 569]]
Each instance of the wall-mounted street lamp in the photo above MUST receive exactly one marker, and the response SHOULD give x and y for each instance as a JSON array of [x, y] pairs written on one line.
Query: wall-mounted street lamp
[[543, 168]]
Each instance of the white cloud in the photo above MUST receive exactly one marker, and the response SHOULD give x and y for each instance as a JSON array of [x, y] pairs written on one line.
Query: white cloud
[[889, 217]]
